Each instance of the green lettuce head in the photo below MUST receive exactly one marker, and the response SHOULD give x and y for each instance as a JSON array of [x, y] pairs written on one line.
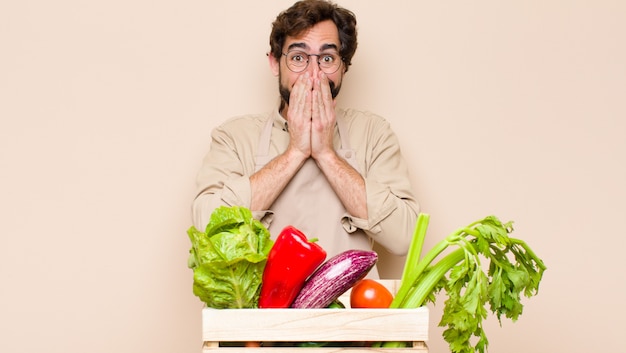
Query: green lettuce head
[[228, 259]]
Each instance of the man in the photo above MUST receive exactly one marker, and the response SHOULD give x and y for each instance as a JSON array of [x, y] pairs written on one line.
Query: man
[[337, 175]]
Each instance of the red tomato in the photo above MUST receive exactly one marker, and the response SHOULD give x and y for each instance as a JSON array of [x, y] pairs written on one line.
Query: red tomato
[[367, 293]]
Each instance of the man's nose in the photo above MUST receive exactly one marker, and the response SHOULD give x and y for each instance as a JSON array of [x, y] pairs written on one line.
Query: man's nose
[[314, 65]]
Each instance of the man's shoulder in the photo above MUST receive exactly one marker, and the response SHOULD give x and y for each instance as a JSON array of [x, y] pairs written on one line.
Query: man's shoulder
[[247, 121], [356, 118]]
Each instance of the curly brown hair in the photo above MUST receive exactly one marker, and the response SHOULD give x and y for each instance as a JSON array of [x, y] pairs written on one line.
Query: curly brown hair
[[303, 15]]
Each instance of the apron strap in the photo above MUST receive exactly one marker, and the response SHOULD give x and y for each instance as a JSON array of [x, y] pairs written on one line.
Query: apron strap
[[343, 133], [263, 147]]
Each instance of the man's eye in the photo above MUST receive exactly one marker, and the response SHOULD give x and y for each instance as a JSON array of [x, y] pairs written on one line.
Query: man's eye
[[328, 59], [298, 58]]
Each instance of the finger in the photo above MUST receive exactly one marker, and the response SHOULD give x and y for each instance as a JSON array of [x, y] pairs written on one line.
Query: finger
[[326, 94], [298, 96], [299, 88], [308, 102], [317, 101], [325, 86], [326, 102]]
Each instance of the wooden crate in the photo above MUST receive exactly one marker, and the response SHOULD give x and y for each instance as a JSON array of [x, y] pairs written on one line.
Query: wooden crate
[[316, 325]]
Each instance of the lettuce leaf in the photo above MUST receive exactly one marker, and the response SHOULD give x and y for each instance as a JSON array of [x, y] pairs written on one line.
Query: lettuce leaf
[[228, 258]]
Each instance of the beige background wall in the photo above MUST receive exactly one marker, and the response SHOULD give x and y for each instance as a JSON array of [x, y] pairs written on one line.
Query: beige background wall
[[509, 108]]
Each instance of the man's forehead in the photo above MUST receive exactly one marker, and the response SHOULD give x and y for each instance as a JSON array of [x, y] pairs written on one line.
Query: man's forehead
[[321, 36]]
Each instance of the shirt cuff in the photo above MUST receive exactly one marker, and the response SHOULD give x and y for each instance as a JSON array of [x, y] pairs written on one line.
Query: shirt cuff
[[237, 191], [379, 206], [265, 217]]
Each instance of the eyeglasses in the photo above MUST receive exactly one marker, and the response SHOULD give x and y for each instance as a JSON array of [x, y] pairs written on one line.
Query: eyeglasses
[[298, 61]]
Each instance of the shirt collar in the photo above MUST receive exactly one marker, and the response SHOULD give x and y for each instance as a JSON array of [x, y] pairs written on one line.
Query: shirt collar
[[279, 121]]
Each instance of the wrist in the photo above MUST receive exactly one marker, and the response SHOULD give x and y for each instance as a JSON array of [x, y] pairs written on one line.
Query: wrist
[[326, 157], [295, 155]]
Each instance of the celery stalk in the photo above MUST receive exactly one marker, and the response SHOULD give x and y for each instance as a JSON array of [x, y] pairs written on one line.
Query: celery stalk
[[430, 280], [408, 283], [417, 242], [410, 272], [513, 270]]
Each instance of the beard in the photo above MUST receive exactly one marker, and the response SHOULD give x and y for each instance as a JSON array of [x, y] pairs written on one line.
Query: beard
[[285, 92]]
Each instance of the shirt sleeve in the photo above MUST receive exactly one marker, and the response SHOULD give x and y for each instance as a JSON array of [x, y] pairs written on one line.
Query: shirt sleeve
[[224, 177], [391, 206]]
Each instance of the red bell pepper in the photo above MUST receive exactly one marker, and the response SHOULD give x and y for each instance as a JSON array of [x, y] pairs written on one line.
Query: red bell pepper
[[292, 259]]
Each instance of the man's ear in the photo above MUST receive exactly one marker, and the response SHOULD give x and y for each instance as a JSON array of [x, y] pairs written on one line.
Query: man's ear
[[274, 64]]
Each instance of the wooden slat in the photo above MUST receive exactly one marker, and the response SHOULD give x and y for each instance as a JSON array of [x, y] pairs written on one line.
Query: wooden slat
[[315, 324]]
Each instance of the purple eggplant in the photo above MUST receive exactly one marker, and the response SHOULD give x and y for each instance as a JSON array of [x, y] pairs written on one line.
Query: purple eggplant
[[334, 277]]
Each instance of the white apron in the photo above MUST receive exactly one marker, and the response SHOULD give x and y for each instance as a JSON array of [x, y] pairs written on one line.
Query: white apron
[[309, 203]]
